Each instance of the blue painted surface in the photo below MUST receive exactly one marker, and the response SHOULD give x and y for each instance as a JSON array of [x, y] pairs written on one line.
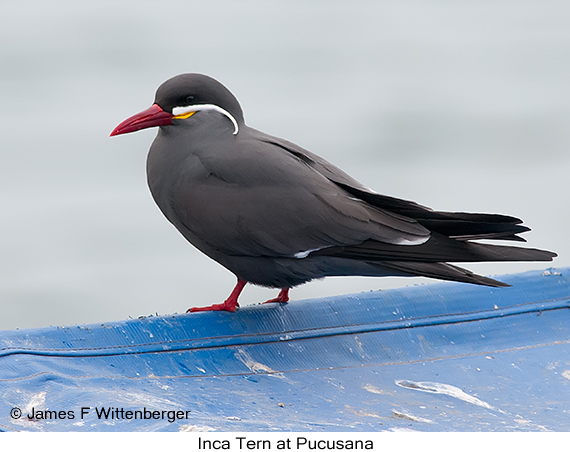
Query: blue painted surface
[[441, 357]]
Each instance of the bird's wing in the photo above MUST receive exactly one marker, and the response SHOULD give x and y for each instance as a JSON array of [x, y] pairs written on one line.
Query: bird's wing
[[458, 225], [451, 232], [257, 200]]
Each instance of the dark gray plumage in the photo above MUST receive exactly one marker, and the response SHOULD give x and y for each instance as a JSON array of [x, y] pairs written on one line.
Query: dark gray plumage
[[278, 215]]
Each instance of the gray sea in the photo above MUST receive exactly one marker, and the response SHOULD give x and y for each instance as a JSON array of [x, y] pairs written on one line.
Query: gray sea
[[456, 105]]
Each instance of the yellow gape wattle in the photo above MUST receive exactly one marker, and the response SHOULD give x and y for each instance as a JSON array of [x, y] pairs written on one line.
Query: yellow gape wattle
[[184, 115]]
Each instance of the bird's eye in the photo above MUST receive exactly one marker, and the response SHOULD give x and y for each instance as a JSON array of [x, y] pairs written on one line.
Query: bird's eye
[[190, 100]]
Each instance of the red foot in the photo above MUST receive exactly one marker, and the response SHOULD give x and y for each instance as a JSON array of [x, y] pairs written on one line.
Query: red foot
[[229, 305], [283, 297]]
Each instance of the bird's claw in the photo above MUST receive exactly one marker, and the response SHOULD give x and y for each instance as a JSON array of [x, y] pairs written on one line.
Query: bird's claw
[[283, 297], [231, 307]]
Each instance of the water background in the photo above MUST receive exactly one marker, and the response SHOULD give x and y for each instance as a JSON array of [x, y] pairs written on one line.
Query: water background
[[456, 105]]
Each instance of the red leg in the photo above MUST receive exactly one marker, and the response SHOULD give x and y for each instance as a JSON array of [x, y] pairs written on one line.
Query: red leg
[[283, 297], [229, 305]]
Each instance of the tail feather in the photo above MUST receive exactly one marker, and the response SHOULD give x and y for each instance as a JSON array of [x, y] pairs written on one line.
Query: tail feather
[[451, 241], [443, 271], [437, 249]]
